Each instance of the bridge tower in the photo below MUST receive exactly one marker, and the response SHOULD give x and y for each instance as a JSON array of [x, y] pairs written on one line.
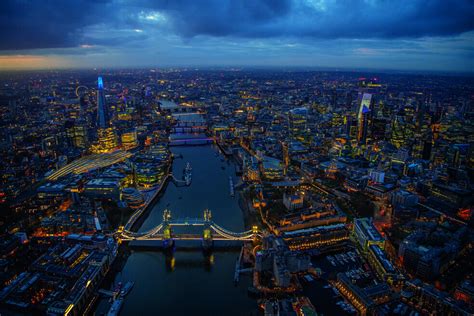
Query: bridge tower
[[255, 233], [207, 233], [168, 241]]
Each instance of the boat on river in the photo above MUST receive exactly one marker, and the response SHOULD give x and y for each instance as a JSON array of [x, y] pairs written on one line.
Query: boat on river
[[115, 308], [188, 173], [127, 288]]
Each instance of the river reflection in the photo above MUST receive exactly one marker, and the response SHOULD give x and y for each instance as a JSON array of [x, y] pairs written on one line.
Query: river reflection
[[191, 282], [192, 262]]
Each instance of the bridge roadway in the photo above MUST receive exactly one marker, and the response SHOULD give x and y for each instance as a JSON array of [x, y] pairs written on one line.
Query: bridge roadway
[[218, 233], [184, 237], [211, 230]]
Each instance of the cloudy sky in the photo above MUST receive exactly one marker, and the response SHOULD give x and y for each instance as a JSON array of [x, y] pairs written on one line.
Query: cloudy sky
[[433, 35]]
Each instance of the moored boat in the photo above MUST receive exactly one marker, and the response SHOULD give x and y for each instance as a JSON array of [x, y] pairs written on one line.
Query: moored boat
[[115, 308], [127, 288]]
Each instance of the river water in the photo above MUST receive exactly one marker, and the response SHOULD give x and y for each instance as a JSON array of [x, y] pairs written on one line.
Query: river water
[[190, 282]]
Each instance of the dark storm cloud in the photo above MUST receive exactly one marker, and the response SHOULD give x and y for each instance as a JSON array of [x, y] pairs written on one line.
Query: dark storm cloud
[[31, 24], [249, 18], [320, 19]]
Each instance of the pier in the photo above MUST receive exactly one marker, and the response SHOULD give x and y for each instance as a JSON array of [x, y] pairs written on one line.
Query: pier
[[223, 148], [107, 293]]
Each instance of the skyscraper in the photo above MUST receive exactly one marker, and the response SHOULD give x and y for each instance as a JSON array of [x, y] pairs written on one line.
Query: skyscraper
[[129, 138], [363, 117], [297, 119], [76, 133], [107, 138], [102, 110]]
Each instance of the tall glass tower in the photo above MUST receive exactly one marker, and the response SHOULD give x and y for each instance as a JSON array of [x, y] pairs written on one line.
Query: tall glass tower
[[107, 139], [363, 117], [102, 110], [297, 123]]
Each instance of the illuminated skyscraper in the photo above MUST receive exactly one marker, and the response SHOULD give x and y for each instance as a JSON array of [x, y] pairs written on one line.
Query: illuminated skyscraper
[[107, 139], [297, 119], [129, 139], [363, 117], [102, 110], [401, 132], [76, 133]]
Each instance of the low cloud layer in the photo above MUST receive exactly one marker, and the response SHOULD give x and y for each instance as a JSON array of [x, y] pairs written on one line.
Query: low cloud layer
[[217, 28], [29, 24]]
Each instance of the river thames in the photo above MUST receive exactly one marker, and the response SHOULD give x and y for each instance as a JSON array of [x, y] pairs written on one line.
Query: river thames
[[190, 282]]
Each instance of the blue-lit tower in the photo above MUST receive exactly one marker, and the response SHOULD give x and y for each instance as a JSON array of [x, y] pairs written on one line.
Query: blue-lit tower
[[103, 119], [107, 138]]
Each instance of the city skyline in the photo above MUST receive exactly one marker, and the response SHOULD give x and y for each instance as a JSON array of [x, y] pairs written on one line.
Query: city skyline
[[308, 192], [237, 157], [401, 35]]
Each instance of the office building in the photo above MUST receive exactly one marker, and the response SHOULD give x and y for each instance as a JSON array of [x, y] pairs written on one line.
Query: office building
[[363, 117], [366, 234], [297, 123], [106, 136]]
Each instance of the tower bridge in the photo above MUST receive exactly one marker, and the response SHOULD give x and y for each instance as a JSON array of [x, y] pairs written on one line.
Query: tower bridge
[[210, 231]]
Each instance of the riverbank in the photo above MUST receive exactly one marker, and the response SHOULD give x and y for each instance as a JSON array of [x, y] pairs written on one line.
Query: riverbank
[[100, 303], [146, 212], [176, 278], [143, 212], [249, 214]]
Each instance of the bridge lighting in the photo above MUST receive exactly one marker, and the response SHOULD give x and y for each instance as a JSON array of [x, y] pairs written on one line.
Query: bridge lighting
[[167, 233], [210, 230], [207, 234], [255, 229], [172, 263], [166, 215], [207, 215]]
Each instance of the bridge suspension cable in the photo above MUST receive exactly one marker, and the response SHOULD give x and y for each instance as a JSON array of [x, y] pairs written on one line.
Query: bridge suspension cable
[[147, 233], [156, 232], [231, 235], [217, 227]]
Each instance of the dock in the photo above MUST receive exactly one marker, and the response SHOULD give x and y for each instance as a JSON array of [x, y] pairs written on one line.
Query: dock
[[223, 148], [107, 293]]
